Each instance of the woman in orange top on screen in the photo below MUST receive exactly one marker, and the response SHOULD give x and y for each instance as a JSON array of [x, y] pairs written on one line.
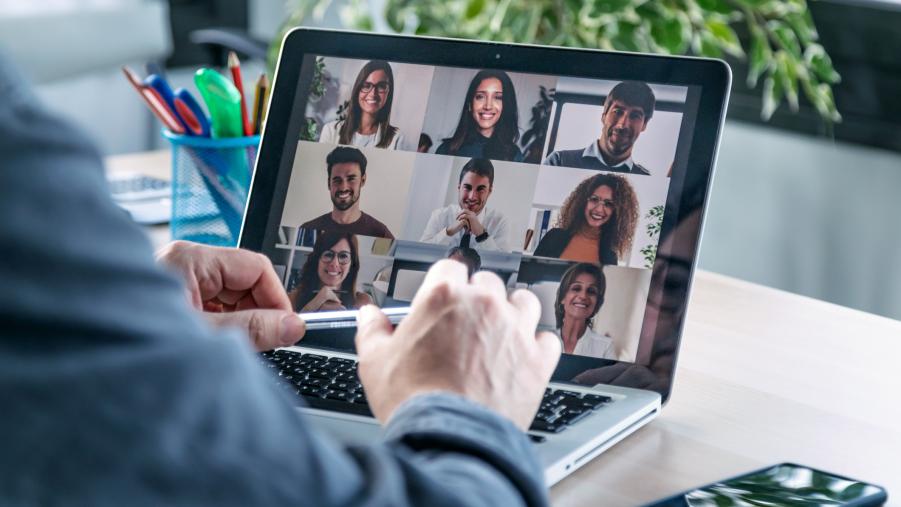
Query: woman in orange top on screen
[[597, 222]]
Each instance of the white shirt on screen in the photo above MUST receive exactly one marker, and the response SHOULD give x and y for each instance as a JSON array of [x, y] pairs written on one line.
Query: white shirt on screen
[[493, 222], [331, 134], [593, 345]]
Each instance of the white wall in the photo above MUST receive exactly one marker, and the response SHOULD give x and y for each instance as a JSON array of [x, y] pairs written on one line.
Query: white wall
[[807, 215], [388, 175], [427, 189], [448, 94], [411, 87], [556, 183]]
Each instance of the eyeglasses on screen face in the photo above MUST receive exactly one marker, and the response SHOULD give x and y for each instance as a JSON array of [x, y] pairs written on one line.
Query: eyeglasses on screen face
[[329, 255], [380, 87], [595, 200]]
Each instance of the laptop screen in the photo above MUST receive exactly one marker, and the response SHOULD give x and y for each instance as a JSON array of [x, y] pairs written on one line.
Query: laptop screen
[[557, 184]]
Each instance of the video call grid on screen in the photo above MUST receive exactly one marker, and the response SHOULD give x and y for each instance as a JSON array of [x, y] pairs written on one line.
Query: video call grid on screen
[[547, 165]]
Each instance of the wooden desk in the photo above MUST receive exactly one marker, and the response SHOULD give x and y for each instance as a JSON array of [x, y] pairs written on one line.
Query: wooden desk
[[764, 376]]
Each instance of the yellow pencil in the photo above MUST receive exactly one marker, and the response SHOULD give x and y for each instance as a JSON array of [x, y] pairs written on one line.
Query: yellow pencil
[[259, 103]]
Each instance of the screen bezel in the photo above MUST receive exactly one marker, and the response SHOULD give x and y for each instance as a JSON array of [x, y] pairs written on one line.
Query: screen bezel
[[276, 154]]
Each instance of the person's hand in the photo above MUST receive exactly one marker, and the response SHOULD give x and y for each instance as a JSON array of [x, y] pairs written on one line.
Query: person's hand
[[236, 288], [458, 226], [324, 300], [461, 336], [472, 222]]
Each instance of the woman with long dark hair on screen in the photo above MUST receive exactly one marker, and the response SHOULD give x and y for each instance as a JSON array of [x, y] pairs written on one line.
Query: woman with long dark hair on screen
[[368, 120], [579, 298], [328, 278], [597, 222], [489, 121]]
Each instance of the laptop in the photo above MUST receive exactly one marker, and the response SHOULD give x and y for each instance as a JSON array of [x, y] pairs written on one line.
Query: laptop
[[579, 175]]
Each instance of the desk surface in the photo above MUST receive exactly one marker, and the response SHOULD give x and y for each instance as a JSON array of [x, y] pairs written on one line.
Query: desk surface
[[763, 376]]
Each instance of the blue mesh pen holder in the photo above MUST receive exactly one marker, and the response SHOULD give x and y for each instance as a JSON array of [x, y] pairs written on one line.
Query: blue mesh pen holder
[[210, 182]]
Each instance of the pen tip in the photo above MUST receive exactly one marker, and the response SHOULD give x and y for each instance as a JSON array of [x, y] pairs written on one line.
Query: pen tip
[[233, 59]]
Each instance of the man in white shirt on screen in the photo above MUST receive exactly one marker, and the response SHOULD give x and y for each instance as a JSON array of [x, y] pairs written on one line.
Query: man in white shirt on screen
[[469, 223]]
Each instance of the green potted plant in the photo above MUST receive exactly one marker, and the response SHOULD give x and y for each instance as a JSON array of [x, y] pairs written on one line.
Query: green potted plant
[[779, 41]]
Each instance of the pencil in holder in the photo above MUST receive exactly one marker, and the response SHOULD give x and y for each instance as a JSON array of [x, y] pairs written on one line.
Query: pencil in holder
[[210, 185]]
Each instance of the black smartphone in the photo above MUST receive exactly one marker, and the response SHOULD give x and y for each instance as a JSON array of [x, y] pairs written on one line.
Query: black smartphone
[[783, 484]]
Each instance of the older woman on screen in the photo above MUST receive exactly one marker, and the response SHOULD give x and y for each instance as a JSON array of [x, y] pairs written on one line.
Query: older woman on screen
[[579, 298], [596, 224], [489, 120], [367, 123], [328, 278]]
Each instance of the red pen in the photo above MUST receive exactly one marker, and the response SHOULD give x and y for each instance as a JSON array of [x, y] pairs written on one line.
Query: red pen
[[156, 103], [234, 65]]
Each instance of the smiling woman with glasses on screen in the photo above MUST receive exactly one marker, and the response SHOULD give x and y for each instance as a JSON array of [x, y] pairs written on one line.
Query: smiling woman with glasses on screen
[[328, 279], [368, 113]]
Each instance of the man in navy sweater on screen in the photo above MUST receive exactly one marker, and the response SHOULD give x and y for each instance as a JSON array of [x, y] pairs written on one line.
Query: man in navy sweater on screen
[[627, 110]]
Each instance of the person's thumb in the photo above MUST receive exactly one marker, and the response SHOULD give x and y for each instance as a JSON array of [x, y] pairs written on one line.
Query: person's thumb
[[371, 324], [267, 329]]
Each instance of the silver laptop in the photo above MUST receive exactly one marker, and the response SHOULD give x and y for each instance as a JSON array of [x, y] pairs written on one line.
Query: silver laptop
[[579, 175]]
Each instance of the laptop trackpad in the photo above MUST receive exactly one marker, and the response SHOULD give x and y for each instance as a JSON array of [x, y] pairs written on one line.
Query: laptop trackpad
[[348, 429]]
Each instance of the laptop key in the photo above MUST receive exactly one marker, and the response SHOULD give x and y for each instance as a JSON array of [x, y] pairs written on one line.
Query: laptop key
[[576, 404], [320, 373], [573, 416], [306, 391], [315, 382], [343, 386], [539, 425], [339, 406], [594, 401], [597, 397], [546, 416], [333, 394], [538, 439]]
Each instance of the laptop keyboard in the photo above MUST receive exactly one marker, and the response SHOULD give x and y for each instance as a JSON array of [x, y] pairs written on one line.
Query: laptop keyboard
[[331, 383]]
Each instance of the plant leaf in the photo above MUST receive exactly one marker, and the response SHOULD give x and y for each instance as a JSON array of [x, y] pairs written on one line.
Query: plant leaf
[[718, 6], [803, 27], [707, 45], [725, 37], [761, 56], [627, 37], [820, 63], [672, 33], [786, 37], [787, 74], [772, 96], [474, 8]]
